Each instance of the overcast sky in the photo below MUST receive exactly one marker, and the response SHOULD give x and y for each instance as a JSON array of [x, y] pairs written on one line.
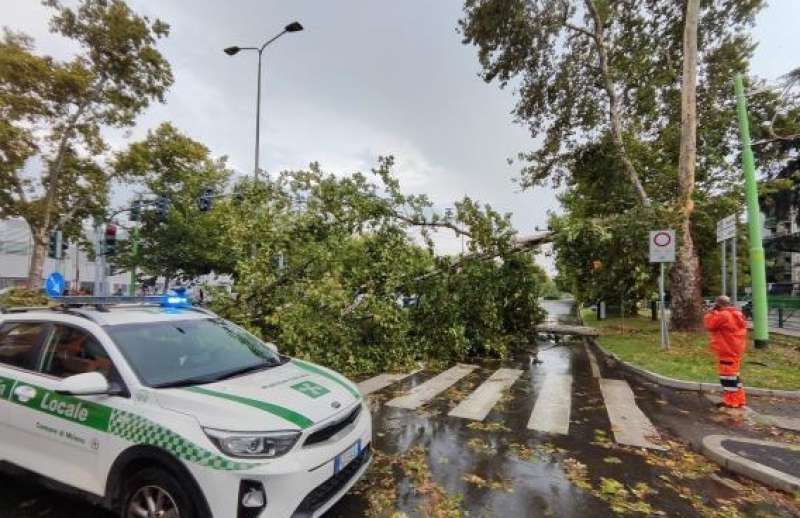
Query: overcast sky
[[365, 78]]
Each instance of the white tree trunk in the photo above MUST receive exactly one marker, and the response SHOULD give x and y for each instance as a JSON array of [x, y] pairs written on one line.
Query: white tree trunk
[[37, 258], [686, 277]]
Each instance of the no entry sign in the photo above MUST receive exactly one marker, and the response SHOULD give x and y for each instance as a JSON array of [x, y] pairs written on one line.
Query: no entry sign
[[662, 246]]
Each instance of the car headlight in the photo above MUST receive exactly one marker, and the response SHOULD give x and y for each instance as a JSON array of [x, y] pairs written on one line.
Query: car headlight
[[253, 444]]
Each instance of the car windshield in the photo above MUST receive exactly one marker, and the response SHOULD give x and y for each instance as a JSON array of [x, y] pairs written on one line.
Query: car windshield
[[190, 352]]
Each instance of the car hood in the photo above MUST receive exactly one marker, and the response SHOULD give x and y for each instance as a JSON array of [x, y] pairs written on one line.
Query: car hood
[[294, 396]]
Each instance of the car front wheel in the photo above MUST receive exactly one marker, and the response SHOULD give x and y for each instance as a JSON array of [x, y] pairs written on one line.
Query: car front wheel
[[155, 493]]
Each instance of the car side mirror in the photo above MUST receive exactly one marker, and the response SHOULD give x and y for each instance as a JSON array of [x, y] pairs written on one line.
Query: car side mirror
[[86, 384], [272, 347]]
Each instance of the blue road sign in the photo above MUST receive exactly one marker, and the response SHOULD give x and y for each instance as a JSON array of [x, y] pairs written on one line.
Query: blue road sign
[[54, 285]]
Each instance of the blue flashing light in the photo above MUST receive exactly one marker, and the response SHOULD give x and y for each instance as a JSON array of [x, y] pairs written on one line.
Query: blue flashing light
[[175, 299]]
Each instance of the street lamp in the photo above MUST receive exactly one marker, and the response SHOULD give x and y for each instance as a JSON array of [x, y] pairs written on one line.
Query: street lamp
[[232, 51]]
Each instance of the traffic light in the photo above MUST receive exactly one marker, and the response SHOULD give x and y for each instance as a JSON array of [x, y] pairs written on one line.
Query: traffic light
[[162, 208], [54, 245], [64, 247], [205, 200], [136, 210], [111, 239]]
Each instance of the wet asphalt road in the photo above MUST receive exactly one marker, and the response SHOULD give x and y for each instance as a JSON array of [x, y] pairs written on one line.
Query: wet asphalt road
[[428, 464]]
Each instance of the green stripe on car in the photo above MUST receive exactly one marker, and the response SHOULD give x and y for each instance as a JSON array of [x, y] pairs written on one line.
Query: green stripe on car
[[5, 387], [290, 415], [310, 367], [85, 413], [125, 425]]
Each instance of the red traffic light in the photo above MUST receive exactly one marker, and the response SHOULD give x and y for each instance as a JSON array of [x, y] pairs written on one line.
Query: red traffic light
[[111, 230]]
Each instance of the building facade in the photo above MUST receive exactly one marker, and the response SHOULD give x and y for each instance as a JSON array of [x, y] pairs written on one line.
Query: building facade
[[16, 246]]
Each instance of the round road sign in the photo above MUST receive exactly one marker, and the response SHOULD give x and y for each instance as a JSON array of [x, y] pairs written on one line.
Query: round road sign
[[54, 285], [662, 239]]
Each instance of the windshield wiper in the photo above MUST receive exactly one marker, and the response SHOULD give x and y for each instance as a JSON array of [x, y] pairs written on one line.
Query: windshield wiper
[[200, 380], [245, 370]]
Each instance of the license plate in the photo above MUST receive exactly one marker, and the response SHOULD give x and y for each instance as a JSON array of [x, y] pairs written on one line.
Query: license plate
[[346, 457]]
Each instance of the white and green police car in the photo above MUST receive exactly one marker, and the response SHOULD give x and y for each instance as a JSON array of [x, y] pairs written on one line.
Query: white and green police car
[[161, 411]]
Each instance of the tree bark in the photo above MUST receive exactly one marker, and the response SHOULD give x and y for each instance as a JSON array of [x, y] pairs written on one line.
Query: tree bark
[[686, 276], [36, 268]]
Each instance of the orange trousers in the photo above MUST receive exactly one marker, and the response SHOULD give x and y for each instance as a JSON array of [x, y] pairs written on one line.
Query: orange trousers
[[733, 390]]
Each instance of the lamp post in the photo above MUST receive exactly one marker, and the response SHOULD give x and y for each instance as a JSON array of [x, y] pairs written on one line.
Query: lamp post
[[231, 51]]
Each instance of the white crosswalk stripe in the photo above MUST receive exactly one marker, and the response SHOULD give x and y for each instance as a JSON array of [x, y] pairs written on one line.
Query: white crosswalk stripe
[[478, 405], [628, 423], [552, 408], [423, 393], [381, 381]]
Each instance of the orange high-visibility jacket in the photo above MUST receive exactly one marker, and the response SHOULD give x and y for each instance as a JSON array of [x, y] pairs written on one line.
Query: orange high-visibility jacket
[[728, 331]]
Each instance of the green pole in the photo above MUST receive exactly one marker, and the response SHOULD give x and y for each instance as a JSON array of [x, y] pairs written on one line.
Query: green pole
[[135, 250], [757, 267]]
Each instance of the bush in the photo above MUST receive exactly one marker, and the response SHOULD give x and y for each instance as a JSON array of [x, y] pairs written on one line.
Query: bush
[[16, 297]]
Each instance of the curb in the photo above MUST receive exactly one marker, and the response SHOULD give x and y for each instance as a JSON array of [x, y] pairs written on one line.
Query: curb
[[713, 449], [696, 386]]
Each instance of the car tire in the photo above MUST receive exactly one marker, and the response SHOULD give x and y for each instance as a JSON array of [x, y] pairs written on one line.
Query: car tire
[[155, 489]]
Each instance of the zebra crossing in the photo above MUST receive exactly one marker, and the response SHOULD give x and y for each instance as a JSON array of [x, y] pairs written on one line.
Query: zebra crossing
[[551, 411], [382, 381], [478, 405], [421, 394]]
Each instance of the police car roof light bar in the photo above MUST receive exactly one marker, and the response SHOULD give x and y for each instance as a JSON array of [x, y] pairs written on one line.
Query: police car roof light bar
[[84, 300], [89, 300]]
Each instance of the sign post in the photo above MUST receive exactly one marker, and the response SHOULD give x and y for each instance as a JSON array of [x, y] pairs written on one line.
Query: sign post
[[99, 260], [662, 250], [726, 231], [734, 280], [723, 250]]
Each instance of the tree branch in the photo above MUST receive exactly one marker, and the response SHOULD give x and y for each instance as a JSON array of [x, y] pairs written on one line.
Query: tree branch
[[777, 138], [69, 128], [420, 222], [18, 187], [579, 30], [614, 106], [67, 215], [425, 223]]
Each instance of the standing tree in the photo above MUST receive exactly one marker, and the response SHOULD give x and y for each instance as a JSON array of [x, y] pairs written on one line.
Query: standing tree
[[588, 68], [687, 306], [52, 113]]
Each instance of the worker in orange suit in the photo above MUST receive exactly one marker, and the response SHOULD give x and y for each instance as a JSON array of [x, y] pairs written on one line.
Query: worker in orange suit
[[728, 331]]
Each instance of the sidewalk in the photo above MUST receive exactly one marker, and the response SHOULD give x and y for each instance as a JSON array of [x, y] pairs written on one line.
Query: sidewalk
[[752, 443], [761, 442], [761, 446]]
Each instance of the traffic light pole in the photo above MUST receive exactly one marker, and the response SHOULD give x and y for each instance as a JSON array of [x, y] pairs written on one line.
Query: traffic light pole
[[99, 260], [757, 266], [135, 252]]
